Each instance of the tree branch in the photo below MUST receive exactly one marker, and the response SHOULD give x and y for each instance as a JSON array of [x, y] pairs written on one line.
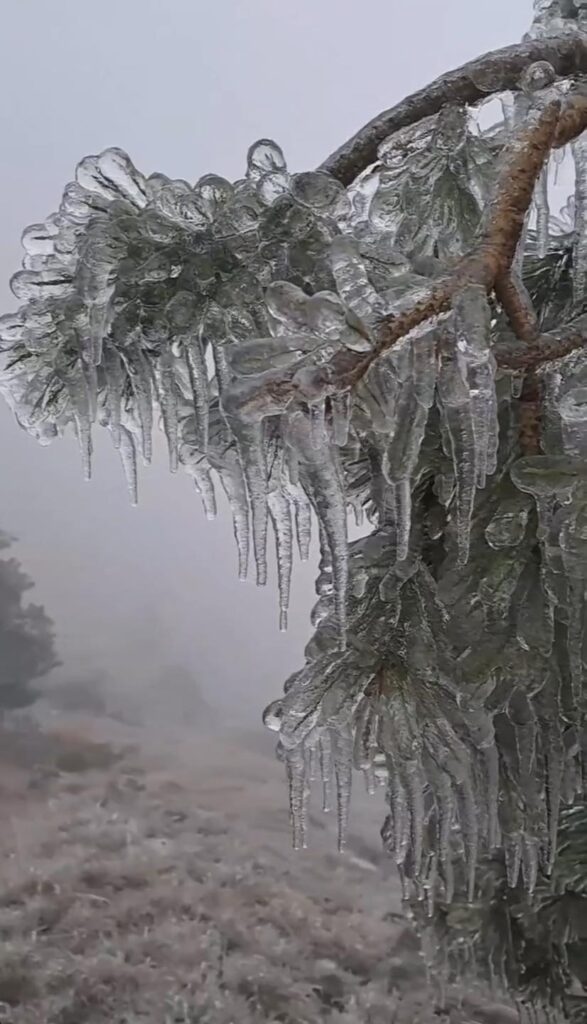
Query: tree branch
[[545, 348], [491, 259], [517, 305], [573, 120], [530, 415], [488, 264], [495, 72]]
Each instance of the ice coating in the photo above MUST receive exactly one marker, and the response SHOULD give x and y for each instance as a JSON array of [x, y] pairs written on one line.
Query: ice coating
[[447, 659]]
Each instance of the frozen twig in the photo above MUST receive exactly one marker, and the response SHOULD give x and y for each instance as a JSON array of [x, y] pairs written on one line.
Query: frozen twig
[[490, 261], [545, 348]]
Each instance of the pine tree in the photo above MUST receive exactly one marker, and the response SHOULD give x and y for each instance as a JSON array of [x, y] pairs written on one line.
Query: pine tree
[[399, 333]]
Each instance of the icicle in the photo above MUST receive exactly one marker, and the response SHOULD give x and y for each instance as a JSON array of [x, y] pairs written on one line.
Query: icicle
[[542, 213], [452, 757], [491, 769], [80, 407], [245, 405], [311, 762], [342, 749], [231, 476], [445, 810], [575, 634], [280, 513], [508, 110], [579, 150], [522, 716], [167, 390], [513, 858], [469, 829], [458, 422], [398, 838], [402, 492], [413, 782], [318, 426], [370, 780], [128, 457], [250, 440], [430, 884], [358, 512], [529, 862], [405, 883], [140, 379], [554, 757], [293, 466], [325, 756], [303, 517], [414, 369], [325, 488], [114, 385], [298, 794], [365, 744], [472, 320], [557, 159], [84, 440], [341, 415], [199, 381], [90, 374], [205, 488]]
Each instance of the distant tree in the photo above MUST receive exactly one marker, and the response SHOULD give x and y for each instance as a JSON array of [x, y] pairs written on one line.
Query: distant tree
[[27, 649], [401, 333]]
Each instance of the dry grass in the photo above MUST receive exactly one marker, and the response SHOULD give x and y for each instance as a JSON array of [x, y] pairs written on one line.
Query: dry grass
[[123, 900]]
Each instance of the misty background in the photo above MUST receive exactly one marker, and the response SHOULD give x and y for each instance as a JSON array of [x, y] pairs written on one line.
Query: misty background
[[184, 86]]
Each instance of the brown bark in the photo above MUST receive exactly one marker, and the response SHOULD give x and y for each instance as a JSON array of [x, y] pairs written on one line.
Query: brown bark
[[530, 415], [573, 119], [517, 305], [491, 260], [544, 348], [489, 263]]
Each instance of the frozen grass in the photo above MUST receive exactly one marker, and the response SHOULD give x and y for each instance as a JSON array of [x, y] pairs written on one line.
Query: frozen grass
[[123, 900]]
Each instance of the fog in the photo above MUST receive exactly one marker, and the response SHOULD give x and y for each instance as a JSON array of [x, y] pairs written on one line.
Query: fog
[[184, 86]]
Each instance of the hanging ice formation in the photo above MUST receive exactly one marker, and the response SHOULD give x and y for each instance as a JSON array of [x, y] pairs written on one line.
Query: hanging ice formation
[[448, 660]]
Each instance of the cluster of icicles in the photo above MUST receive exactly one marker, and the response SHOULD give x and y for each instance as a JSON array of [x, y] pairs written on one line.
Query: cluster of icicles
[[447, 662]]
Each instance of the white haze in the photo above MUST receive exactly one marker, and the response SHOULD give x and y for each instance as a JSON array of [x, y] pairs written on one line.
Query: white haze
[[184, 87]]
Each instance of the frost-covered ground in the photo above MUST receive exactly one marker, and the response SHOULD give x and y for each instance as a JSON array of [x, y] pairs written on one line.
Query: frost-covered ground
[[162, 890]]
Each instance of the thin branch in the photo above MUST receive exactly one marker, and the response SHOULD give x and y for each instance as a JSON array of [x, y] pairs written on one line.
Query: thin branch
[[545, 348], [517, 305], [488, 264], [492, 73], [573, 120], [530, 415], [492, 258]]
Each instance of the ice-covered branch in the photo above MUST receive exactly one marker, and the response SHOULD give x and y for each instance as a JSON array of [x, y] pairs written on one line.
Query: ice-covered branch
[[492, 258], [488, 264], [545, 348], [573, 119], [517, 305], [492, 73]]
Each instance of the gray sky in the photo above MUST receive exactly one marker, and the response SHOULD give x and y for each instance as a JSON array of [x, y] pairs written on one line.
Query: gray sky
[[184, 86]]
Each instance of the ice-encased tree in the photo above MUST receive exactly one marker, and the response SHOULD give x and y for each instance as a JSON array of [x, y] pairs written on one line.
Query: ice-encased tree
[[399, 334]]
